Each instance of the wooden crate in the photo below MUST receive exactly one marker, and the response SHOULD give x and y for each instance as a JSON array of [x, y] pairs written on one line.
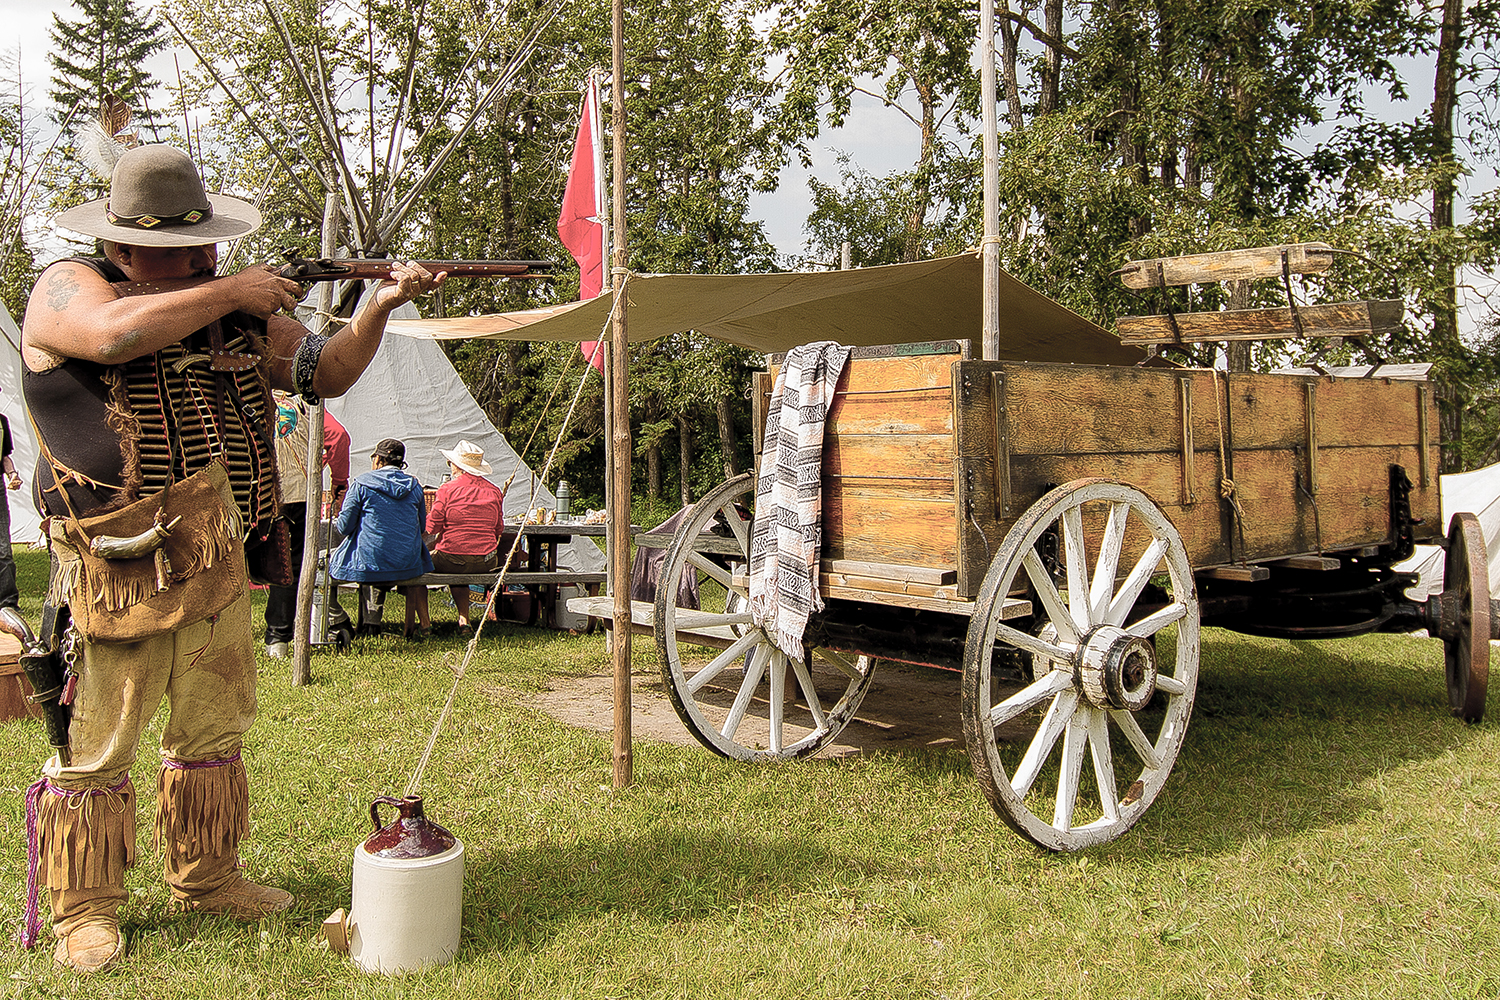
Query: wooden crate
[[890, 530], [14, 687]]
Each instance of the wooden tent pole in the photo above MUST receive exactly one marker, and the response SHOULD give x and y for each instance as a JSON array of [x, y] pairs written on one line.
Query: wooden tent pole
[[307, 579], [619, 497]]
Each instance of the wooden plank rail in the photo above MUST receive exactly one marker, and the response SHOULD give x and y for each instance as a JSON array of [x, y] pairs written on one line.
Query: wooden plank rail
[[545, 586], [694, 627], [643, 621], [1406, 372], [520, 578], [707, 544], [1228, 265], [1330, 319]]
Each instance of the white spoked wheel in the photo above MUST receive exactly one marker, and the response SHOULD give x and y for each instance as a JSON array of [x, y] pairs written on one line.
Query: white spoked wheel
[[1112, 652], [736, 692]]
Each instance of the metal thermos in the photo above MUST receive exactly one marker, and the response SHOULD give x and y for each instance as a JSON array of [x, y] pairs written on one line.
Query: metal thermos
[[564, 500]]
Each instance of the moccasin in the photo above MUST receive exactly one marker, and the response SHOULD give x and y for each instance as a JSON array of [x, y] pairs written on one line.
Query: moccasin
[[241, 899], [93, 946]]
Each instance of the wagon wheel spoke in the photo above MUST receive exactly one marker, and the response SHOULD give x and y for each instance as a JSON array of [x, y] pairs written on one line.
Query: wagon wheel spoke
[[1075, 739], [1140, 575], [1098, 687], [1136, 737], [1059, 714], [1167, 684], [711, 569], [732, 689], [737, 524], [842, 664], [716, 666], [747, 691], [1104, 764], [777, 696], [809, 693], [1030, 696], [1052, 601], [1158, 620], [1025, 641], [1102, 589], [1075, 557]]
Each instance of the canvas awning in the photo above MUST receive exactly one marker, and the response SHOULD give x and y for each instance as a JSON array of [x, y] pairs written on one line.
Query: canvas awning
[[894, 304]]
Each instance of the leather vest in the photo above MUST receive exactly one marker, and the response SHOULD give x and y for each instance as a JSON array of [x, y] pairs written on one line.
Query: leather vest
[[124, 431]]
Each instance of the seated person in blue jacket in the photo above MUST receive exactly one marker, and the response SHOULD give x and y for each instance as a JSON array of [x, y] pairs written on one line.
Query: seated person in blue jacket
[[382, 520]]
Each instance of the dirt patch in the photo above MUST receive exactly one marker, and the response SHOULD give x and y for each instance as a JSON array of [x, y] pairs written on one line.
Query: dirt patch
[[906, 707]]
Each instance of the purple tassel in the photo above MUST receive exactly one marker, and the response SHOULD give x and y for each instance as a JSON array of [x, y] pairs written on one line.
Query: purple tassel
[[31, 929], [194, 765]]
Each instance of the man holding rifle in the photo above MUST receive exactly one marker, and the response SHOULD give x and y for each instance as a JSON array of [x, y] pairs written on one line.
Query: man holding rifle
[[148, 376]]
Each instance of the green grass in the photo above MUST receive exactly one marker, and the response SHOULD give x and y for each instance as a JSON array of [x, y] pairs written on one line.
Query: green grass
[[1329, 831]]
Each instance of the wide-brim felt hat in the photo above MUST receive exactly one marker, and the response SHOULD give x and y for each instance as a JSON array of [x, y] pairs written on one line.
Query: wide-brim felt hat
[[156, 199], [469, 457]]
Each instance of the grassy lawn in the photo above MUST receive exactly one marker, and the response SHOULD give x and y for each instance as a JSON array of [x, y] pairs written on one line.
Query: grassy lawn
[[1329, 831]]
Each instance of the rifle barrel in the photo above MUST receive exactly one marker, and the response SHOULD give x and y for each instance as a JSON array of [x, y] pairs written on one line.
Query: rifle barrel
[[302, 269]]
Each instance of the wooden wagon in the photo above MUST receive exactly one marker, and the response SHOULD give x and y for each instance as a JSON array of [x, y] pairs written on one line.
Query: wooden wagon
[[1060, 534]]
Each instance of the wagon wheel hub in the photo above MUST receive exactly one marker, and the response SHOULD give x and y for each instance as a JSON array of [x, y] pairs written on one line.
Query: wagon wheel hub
[[1116, 669]]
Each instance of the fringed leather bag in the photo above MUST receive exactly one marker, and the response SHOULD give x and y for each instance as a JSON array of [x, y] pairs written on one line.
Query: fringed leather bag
[[165, 561]]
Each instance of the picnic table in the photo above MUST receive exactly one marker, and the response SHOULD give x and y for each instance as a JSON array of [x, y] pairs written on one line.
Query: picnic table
[[536, 569]]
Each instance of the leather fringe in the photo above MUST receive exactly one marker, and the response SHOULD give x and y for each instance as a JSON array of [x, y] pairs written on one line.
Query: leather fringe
[[222, 539], [127, 426], [114, 592], [61, 587], [86, 839], [202, 810]]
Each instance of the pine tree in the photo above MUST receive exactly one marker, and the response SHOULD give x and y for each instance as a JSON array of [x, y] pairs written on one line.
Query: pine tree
[[103, 52]]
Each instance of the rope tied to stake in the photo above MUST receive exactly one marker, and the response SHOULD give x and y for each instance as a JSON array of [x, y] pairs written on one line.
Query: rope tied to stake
[[459, 667]]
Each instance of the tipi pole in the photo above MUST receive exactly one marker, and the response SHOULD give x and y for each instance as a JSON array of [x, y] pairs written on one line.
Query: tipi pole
[[619, 495], [307, 579], [990, 245]]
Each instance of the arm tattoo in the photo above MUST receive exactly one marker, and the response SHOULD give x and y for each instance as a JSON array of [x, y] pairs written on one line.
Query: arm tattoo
[[130, 340], [60, 291]]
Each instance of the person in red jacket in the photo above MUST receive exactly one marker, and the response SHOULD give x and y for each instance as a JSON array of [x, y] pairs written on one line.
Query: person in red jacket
[[468, 516], [336, 457]]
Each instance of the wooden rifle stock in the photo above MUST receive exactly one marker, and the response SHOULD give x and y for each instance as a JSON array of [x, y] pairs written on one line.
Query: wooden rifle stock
[[363, 269]]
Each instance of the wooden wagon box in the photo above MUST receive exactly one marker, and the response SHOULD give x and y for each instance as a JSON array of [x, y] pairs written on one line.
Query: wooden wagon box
[[1060, 534], [929, 458]]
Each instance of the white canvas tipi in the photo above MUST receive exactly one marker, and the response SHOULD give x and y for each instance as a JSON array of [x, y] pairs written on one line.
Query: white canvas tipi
[[25, 523], [412, 392]]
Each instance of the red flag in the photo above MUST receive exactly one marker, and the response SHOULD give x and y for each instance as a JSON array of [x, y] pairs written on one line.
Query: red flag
[[580, 225]]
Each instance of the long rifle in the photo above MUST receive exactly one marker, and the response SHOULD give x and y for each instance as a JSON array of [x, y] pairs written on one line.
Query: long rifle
[[309, 271], [363, 269]]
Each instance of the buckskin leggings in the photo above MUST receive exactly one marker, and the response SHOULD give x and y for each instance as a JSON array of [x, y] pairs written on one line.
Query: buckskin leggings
[[206, 673]]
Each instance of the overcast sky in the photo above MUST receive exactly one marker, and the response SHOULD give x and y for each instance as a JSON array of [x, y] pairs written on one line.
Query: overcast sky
[[877, 139]]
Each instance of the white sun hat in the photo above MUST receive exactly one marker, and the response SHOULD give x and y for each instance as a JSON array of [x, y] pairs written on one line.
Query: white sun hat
[[469, 457]]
